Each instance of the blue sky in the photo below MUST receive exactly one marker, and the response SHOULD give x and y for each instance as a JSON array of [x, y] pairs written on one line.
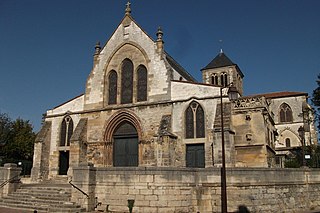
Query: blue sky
[[46, 47]]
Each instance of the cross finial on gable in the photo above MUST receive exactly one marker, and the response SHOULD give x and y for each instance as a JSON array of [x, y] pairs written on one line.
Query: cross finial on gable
[[128, 9]]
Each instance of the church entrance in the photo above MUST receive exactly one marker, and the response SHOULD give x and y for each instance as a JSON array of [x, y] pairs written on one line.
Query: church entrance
[[63, 162], [195, 156], [125, 148]]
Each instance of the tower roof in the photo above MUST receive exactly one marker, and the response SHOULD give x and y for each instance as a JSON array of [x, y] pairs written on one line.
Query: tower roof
[[221, 60]]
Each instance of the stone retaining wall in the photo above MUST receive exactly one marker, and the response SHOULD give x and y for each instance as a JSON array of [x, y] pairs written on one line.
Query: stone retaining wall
[[11, 172], [198, 190]]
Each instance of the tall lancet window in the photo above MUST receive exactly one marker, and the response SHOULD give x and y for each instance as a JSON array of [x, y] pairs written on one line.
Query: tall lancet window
[[194, 121], [142, 83], [66, 131], [112, 90], [126, 81]]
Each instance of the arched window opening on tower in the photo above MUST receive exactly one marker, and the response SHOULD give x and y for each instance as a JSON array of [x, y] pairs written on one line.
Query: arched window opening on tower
[[142, 86], [194, 121], [224, 79], [126, 81], [285, 113], [214, 79], [112, 90]]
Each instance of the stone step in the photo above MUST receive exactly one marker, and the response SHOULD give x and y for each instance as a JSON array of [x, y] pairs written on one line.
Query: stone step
[[39, 196], [51, 186], [44, 191], [44, 197], [43, 208], [35, 200], [40, 203]]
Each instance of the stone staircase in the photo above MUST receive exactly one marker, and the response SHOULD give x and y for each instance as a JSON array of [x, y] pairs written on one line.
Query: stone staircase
[[43, 197]]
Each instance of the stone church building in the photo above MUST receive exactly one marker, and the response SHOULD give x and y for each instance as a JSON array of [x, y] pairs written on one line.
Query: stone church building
[[140, 108], [146, 130]]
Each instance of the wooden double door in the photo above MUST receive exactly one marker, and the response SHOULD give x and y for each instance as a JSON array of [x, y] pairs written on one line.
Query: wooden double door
[[125, 147]]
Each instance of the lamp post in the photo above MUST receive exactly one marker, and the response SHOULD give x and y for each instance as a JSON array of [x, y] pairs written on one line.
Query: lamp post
[[232, 94], [301, 132]]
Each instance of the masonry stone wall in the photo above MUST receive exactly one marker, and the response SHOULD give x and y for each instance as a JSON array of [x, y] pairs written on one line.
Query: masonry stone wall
[[198, 190], [9, 178]]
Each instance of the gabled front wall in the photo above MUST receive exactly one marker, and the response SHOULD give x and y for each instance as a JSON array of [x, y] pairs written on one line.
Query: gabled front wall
[[128, 41]]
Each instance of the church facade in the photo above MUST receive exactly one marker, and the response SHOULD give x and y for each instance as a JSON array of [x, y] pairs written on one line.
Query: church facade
[[140, 108]]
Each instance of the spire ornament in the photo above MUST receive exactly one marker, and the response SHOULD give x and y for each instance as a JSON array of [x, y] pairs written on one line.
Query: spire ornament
[[159, 34], [97, 48], [128, 9], [159, 41]]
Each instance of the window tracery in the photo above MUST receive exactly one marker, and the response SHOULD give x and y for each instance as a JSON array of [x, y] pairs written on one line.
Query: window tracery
[[66, 131], [285, 113], [194, 121]]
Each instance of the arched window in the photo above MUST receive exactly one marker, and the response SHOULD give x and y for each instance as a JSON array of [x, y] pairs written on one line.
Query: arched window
[[66, 131], [285, 113], [194, 121], [112, 90], [288, 144], [224, 79], [142, 87], [214, 79], [126, 81]]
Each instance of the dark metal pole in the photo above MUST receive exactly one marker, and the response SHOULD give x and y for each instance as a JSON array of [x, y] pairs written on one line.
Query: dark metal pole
[[223, 168], [303, 152]]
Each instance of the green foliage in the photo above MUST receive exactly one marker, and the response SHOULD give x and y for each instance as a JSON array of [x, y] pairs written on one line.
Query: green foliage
[[292, 163], [5, 129], [316, 99], [16, 139], [296, 158]]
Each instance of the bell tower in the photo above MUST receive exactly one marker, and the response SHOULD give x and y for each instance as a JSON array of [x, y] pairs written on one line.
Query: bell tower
[[221, 71]]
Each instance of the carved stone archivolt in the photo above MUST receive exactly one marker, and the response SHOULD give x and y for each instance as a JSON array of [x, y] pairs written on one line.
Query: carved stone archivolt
[[119, 117]]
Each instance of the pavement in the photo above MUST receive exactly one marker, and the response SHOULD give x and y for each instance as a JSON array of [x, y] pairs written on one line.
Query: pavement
[[7, 210]]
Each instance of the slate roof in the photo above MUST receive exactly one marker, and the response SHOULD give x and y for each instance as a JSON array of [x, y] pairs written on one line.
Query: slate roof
[[221, 60], [175, 65], [284, 94], [279, 94]]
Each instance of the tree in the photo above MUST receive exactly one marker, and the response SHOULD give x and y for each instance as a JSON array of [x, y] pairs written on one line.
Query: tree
[[5, 132], [316, 99], [21, 141], [16, 140]]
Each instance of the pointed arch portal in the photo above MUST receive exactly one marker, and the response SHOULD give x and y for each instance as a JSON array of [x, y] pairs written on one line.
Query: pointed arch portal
[[125, 148], [123, 133]]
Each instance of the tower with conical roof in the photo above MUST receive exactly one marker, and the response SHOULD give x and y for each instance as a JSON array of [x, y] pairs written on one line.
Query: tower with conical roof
[[221, 71]]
